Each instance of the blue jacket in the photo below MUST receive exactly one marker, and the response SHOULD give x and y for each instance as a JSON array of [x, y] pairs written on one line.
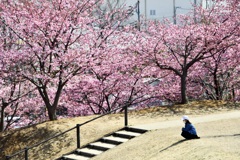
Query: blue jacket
[[189, 128]]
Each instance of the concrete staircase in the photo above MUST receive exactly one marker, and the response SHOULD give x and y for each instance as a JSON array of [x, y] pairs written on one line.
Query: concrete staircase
[[105, 143]]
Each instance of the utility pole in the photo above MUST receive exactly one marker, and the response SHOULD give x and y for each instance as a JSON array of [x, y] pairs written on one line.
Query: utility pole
[[138, 13], [194, 11], [174, 12], [206, 4], [145, 8]]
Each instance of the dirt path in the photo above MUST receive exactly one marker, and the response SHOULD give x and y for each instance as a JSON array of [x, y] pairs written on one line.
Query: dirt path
[[194, 120]]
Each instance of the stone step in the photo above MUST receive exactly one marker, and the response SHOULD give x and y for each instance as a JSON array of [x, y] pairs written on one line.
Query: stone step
[[87, 152], [126, 134], [136, 130], [75, 157], [104, 145], [117, 139]]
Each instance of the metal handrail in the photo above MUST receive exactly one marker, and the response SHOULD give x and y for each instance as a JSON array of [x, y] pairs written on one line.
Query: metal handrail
[[8, 157]]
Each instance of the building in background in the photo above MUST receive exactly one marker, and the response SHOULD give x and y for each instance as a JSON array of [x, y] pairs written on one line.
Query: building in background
[[161, 9]]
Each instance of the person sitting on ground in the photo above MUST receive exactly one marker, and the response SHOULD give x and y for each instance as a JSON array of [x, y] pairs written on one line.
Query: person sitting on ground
[[189, 131]]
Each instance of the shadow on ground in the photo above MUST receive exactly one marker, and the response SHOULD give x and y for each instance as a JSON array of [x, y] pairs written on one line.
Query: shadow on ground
[[183, 140], [174, 144], [219, 136]]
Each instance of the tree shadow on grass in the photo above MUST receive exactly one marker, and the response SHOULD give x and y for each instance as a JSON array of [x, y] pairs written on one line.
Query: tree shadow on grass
[[183, 140], [219, 136], [174, 144]]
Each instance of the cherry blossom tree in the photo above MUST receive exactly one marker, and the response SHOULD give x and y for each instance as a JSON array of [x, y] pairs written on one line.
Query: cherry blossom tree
[[180, 48], [13, 89], [115, 82], [107, 90], [61, 40], [219, 75], [78, 56], [13, 104]]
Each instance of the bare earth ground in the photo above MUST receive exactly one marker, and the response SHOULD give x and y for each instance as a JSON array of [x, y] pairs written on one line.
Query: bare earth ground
[[220, 138]]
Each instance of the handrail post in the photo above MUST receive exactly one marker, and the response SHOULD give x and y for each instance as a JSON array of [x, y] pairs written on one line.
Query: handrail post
[[26, 153], [126, 115], [78, 135]]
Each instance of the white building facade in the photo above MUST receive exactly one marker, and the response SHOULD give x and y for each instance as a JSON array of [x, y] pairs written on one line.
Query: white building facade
[[161, 9]]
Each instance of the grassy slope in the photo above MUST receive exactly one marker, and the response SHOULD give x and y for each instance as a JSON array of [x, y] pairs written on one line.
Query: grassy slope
[[12, 141]]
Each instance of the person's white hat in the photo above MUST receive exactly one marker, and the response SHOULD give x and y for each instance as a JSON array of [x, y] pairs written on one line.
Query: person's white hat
[[185, 117]]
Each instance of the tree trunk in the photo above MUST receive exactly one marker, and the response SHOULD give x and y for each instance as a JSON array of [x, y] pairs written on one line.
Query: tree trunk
[[216, 86], [184, 99], [51, 109], [233, 94], [52, 113], [2, 120]]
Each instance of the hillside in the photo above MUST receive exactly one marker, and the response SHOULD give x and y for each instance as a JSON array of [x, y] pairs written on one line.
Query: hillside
[[155, 144]]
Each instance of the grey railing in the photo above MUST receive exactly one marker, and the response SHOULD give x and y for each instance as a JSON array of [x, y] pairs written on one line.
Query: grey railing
[[77, 127]]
